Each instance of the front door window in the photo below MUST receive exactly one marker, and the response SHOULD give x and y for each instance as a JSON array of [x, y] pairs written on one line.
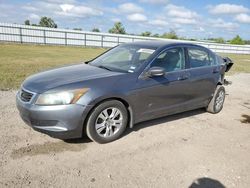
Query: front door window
[[171, 60]]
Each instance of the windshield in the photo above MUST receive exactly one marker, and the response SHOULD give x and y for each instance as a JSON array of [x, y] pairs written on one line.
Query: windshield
[[128, 58]]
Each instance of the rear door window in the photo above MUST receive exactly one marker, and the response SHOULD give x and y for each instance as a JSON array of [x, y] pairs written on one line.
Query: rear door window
[[198, 58]]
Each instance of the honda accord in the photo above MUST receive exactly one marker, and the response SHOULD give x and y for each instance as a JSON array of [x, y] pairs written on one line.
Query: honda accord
[[127, 84]]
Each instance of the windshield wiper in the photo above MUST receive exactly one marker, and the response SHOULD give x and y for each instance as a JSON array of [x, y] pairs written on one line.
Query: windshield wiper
[[103, 67]]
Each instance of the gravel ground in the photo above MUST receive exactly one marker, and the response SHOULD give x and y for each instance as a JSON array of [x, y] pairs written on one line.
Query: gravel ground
[[191, 149]]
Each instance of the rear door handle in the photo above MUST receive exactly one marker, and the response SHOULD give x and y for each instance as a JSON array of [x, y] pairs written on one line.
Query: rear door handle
[[216, 70]]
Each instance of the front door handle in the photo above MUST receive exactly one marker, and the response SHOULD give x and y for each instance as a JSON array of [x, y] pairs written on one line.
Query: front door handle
[[183, 77]]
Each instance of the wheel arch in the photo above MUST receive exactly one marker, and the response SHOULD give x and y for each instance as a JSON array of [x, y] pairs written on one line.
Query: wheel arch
[[123, 101]]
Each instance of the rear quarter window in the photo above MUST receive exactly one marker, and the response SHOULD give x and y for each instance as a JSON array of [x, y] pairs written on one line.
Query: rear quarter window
[[220, 60]]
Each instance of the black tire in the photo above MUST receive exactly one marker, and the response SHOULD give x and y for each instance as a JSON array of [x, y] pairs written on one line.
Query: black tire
[[91, 122], [212, 108]]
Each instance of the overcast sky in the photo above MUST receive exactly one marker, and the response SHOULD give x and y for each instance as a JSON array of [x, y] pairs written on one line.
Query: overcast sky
[[189, 18]]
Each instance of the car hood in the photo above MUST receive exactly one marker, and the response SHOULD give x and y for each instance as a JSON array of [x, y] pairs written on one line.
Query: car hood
[[50, 79]]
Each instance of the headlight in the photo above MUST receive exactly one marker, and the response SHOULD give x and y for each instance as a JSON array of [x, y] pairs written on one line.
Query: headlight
[[61, 98]]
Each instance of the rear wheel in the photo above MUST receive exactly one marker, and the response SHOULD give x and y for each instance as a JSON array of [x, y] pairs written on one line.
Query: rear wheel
[[107, 121], [216, 104]]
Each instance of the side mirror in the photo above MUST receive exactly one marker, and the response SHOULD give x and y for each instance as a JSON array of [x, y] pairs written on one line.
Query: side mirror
[[156, 71]]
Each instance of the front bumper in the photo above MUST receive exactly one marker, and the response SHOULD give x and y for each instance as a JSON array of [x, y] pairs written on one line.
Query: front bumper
[[59, 121]]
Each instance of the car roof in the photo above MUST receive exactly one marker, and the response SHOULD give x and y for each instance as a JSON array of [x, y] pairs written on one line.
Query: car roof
[[160, 44]]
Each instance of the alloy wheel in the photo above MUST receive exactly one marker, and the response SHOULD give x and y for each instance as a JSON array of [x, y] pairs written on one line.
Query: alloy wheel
[[108, 122], [219, 100]]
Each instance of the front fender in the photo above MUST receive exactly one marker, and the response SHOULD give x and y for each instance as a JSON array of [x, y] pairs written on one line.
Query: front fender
[[94, 101]]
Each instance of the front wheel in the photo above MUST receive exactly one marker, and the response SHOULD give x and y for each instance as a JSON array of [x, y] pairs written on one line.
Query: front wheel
[[216, 104], [107, 121]]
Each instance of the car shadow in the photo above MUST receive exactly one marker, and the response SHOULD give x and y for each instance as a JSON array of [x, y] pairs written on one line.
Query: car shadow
[[206, 183], [82, 140], [144, 124], [165, 119]]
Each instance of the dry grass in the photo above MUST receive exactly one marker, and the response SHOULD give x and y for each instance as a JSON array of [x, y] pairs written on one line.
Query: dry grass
[[241, 63], [19, 61]]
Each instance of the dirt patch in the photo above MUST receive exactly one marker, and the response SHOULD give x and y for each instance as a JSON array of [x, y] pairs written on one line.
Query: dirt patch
[[246, 119], [46, 148]]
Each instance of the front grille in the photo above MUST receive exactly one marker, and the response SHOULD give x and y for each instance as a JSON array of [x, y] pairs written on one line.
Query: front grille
[[25, 96]]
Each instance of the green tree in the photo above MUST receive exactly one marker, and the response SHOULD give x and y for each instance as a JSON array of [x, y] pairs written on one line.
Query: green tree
[[156, 35], [47, 22], [27, 22], [237, 40], [146, 34], [77, 29], [170, 35], [219, 40], [95, 30], [247, 41], [117, 28], [182, 38]]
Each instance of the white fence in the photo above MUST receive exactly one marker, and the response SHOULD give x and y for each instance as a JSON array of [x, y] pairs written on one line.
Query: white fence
[[51, 36]]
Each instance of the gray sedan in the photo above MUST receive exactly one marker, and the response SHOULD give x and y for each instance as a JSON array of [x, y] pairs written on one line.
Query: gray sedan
[[128, 84]]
